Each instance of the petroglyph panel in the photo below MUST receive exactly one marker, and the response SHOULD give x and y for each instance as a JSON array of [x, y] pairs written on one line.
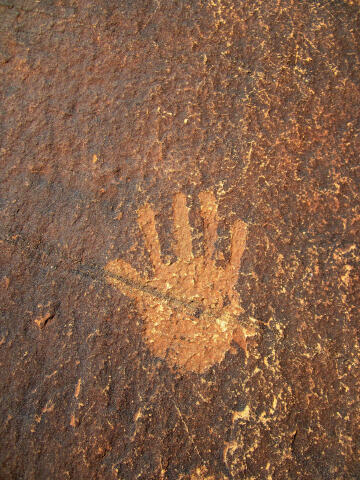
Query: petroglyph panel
[[190, 308]]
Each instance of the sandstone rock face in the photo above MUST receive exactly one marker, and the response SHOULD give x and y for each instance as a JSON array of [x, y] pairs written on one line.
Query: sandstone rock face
[[179, 236]]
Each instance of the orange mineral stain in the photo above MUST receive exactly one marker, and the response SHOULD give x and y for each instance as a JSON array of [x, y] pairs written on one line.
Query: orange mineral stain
[[190, 308]]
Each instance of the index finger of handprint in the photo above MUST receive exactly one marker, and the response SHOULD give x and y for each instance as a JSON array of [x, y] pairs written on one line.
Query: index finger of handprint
[[209, 214], [146, 221], [182, 230], [238, 242]]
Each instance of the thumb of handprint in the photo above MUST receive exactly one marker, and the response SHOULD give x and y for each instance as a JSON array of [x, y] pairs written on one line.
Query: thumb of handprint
[[190, 308]]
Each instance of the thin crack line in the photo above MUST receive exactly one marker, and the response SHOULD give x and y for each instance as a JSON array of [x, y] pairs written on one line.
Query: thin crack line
[[97, 273], [192, 308], [178, 411]]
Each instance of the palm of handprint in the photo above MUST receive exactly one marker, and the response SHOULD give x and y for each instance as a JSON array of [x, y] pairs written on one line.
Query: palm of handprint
[[190, 308]]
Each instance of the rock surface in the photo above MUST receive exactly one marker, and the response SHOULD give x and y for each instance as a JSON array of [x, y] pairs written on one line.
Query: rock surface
[[107, 107]]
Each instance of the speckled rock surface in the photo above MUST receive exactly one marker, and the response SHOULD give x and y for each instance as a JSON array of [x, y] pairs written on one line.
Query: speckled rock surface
[[179, 232]]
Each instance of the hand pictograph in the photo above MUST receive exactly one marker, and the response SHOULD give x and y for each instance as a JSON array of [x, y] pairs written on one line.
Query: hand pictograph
[[190, 308]]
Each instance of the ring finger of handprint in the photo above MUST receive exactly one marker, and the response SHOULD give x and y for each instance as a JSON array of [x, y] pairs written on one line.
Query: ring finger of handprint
[[190, 308]]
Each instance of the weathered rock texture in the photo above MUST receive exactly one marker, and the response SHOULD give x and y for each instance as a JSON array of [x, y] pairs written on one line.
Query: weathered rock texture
[[112, 114]]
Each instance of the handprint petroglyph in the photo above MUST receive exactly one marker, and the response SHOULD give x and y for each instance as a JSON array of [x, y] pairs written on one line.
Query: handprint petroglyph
[[190, 308]]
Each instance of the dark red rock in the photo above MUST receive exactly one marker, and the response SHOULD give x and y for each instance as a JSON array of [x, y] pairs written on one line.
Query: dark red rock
[[108, 106]]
